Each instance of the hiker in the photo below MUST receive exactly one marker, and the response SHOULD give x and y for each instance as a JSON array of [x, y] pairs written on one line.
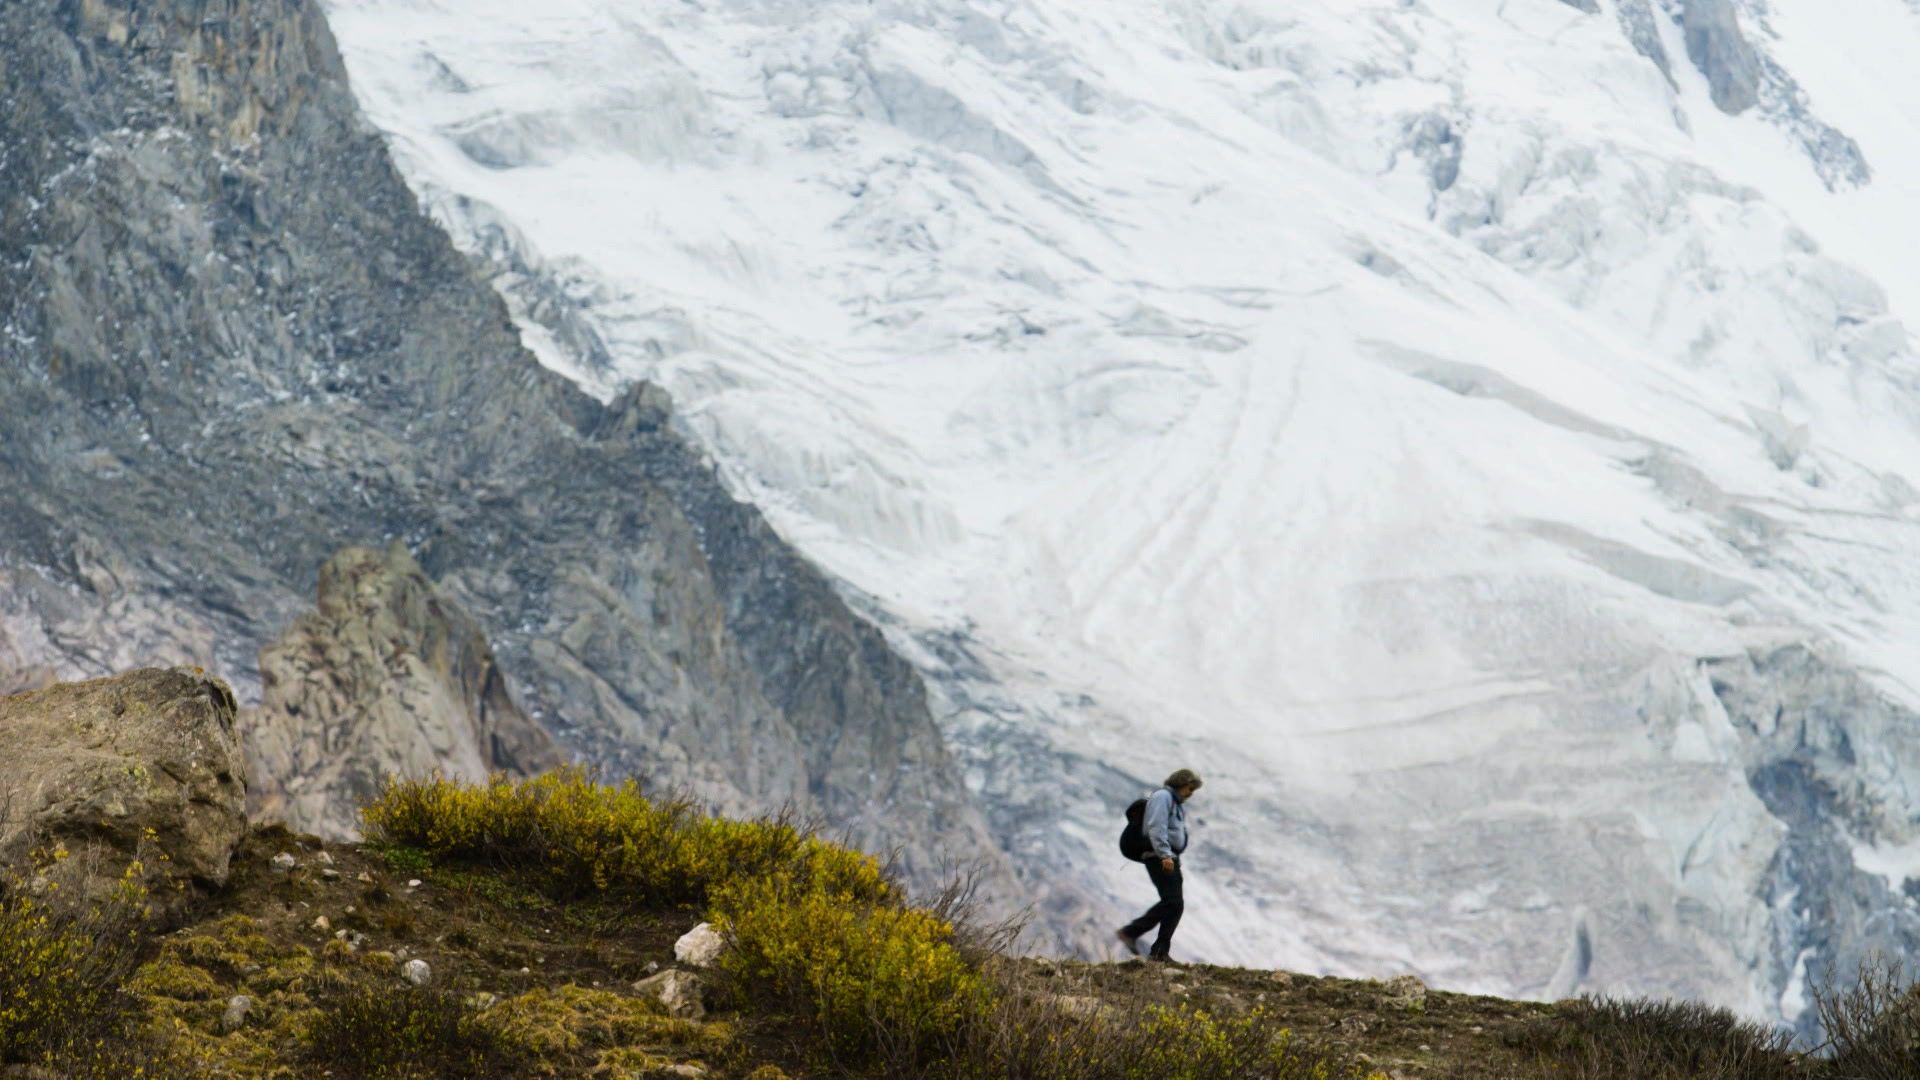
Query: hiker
[[1163, 836]]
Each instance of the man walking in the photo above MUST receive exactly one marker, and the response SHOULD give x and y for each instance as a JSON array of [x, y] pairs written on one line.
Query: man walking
[[1165, 826]]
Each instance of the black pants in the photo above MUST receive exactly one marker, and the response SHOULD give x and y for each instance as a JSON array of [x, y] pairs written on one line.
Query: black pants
[[1166, 913]]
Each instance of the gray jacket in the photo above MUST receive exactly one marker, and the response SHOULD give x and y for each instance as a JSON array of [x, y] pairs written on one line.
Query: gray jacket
[[1165, 824]]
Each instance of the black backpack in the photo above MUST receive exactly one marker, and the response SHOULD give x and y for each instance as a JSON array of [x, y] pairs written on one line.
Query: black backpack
[[1133, 838]]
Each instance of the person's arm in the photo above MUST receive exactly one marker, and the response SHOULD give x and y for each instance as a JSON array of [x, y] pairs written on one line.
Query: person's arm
[[1159, 808]]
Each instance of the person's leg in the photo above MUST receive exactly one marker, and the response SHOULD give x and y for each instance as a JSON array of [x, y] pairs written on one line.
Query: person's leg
[[1171, 906], [1144, 923], [1131, 932]]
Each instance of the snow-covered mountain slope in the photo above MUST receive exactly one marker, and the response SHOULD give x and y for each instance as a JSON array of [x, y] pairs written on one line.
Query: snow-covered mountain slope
[[1478, 435]]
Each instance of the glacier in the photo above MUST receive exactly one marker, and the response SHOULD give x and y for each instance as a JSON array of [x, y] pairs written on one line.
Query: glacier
[[1482, 437]]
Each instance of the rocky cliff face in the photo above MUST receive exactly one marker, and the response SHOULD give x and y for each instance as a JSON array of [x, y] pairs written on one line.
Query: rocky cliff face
[[1824, 747], [385, 678], [231, 345]]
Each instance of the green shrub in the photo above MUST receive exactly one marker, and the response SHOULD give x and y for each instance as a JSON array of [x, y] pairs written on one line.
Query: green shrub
[[380, 1032], [1184, 1042], [407, 861], [1039, 1035], [1872, 1026], [1641, 1039]]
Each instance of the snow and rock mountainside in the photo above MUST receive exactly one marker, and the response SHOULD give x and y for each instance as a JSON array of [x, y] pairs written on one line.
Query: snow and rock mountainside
[[1479, 435], [231, 346]]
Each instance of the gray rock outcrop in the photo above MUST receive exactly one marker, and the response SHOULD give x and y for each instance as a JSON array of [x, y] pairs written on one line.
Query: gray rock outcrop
[[1741, 76], [387, 677], [142, 767], [1721, 51], [679, 992], [230, 345]]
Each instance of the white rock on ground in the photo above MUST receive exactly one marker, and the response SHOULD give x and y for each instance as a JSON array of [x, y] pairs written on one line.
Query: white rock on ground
[[700, 946], [417, 972]]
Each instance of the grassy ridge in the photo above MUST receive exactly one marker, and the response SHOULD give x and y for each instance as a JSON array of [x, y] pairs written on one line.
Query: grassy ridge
[[819, 933], [556, 891]]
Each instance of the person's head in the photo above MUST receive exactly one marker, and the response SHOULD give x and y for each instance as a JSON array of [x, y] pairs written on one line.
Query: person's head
[[1184, 783]]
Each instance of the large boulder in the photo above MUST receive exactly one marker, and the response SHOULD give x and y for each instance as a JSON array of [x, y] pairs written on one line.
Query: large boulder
[[144, 766], [388, 676], [700, 947]]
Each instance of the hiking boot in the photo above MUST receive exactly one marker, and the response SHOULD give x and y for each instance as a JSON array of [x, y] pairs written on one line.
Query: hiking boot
[[1131, 941], [1161, 958]]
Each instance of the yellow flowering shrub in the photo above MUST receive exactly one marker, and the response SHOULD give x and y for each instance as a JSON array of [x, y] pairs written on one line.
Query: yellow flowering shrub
[[814, 923], [875, 977], [62, 960], [573, 837], [40, 958]]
